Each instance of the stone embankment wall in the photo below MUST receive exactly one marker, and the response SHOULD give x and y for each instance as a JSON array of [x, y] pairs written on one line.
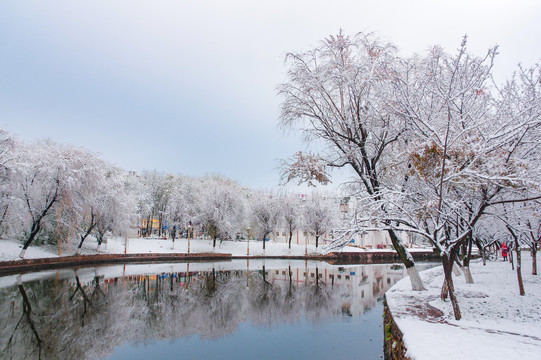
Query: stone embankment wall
[[27, 265], [393, 348]]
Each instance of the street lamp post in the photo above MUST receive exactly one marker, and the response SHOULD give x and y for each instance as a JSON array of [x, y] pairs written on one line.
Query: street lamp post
[[189, 227], [248, 237]]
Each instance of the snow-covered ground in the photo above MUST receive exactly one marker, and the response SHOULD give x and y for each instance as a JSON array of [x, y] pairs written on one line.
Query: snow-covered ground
[[9, 250], [497, 323]]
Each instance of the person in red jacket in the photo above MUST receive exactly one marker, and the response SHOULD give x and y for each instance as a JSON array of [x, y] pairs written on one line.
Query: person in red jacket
[[504, 252]]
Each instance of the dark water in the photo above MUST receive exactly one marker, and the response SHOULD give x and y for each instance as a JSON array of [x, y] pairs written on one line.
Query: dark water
[[284, 310]]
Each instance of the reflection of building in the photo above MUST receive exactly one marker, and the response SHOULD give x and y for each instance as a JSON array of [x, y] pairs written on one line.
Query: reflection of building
[[360, 287], [356, 289]]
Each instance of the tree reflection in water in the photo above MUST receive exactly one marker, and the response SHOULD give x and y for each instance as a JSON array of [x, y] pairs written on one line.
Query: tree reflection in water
[[81, 319]]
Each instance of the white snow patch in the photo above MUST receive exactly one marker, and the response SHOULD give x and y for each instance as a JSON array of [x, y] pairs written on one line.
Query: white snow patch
[[10, 249], [497, 323]]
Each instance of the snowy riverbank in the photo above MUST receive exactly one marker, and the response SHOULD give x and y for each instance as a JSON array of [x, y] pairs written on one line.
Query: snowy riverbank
[[9, 250], [496, 322]]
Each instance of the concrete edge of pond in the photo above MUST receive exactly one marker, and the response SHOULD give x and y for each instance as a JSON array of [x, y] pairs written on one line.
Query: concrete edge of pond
[[344, 258]]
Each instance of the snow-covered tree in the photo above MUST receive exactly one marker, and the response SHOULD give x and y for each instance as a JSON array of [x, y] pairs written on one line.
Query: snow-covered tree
[[336, 93], [318, 216], [155, 202], [182, 201], [45, 173], [7, 154], [220, 208], [290, 214], [86, 200], [265, 214], [117, 209], [469, 146]]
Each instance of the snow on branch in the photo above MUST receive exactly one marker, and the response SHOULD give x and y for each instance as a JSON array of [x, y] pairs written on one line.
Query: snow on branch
[[306, 168]]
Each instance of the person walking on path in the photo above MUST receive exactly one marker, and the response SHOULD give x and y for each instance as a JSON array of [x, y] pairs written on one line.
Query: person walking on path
[[504, 252], [173, 235]]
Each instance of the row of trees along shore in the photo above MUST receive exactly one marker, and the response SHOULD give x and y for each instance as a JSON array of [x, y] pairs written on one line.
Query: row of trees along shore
[[439, 149], [56, 194]]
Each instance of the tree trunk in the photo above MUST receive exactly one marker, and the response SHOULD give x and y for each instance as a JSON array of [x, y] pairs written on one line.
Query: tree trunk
[[467, 275], [36, 225], [483, 255], [78, 251], [317, 240], [290, 236], [534, 259], [83, 237], [149, 226], [519, 270], [466, 262], [100, 238], [444, 290], [407, 260], [4, 214], [214, 241], [447, 262], [456, 270], [511, 260]]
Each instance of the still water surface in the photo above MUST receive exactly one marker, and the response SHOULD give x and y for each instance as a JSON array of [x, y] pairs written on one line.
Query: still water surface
[[230, 310]]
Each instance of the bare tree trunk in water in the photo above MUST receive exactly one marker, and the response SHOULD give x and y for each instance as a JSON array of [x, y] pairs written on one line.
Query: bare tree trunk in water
[[290, 277], [27, 314]]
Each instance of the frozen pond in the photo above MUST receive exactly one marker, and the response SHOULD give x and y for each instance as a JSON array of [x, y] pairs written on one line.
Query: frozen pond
[[225, 310]]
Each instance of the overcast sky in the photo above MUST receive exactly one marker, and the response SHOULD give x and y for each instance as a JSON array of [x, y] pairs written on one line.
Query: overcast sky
[[188, 86]]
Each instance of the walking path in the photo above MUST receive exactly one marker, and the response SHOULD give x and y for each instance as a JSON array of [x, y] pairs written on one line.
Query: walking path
[[497, 323]]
